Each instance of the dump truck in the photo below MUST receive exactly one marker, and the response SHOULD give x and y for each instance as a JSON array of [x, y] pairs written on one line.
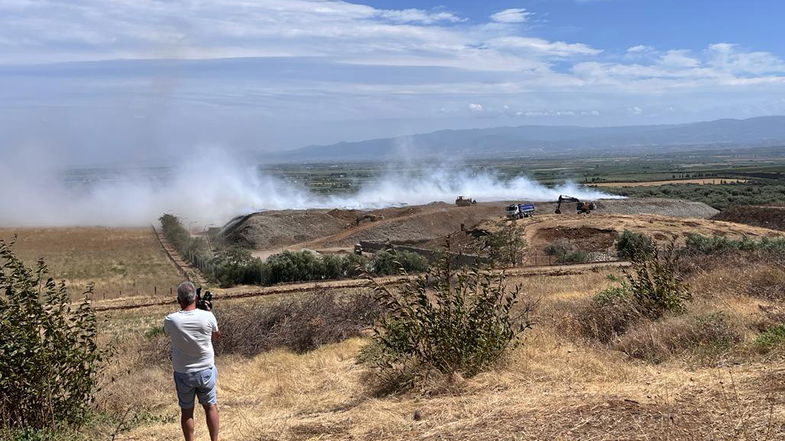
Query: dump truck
[[519, 211]]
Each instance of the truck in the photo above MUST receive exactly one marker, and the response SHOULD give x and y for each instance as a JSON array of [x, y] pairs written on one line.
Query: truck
[[519, 211]]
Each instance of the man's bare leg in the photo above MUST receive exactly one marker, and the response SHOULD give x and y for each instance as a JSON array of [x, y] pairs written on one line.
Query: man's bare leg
[[187, 422], [211, 415]]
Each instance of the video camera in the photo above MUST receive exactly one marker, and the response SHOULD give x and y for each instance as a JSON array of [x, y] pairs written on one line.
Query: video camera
[[205, 301]]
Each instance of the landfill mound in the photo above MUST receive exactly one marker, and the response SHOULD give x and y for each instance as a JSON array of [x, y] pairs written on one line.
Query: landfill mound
[[275, 229], [415, 224], [766, 216]]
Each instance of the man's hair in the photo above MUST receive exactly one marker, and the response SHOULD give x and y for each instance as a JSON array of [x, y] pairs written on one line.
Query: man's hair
[[186, 293]]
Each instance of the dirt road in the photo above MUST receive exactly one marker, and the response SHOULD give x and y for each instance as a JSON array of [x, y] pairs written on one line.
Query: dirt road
[[246, 292]]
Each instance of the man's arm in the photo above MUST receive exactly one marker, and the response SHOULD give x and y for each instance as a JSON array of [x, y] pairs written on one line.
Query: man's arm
[[216, 332]]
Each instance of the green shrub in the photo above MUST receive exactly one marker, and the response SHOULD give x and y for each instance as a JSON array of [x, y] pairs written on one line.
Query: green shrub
[[49, 359], [712, 245], [464, 325], [654, 286], [634, 246], [387, 263], [771, 338], [566, 252], [235, 266]]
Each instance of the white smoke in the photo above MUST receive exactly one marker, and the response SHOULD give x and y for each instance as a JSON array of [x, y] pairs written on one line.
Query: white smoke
[[212, 189]]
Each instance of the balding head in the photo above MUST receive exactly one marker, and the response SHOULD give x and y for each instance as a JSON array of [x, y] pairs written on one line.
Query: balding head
[[186, 294]]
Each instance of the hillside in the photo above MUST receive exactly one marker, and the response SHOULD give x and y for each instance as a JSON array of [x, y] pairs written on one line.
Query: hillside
[[556, 140]]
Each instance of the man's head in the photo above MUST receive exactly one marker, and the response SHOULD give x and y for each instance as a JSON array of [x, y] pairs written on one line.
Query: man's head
[[186, 294]]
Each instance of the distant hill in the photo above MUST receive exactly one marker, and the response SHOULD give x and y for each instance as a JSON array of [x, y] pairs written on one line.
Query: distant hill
[[557, 140]]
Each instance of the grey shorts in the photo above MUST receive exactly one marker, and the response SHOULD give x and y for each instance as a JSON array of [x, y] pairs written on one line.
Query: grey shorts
[[201, 384]]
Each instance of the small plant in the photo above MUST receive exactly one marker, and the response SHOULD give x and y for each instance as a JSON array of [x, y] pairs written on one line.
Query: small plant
[[566, 252], [771, 338], [49, 358], [654, 287], [634, 246], [463, 325]]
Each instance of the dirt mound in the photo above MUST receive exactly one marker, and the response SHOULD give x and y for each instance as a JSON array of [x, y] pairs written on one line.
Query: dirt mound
[[585, 238], [271, 229], [766, 216]]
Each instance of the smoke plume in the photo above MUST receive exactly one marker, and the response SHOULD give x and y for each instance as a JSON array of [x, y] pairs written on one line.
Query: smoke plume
[[212, 189]]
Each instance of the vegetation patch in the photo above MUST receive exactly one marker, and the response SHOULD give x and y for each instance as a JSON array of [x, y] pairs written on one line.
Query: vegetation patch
[[772, 338], [49, 358], [446, 323]]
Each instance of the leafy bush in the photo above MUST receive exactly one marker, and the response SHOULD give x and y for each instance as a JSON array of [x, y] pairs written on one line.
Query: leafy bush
[[712, 245], [566, 252], [386, 263], [300, 325], [235, 266], [654, 286], [464, 325], [634, 246], [49, 359]]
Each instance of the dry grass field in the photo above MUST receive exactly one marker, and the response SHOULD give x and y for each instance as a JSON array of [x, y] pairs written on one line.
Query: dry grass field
[[555, 386], [120, 261]]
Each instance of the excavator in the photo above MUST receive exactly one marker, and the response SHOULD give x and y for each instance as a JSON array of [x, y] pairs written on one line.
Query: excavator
[[581, 207]]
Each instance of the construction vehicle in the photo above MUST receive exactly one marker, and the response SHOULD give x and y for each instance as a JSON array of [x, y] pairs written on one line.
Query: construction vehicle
[[464, 202], [580, 207], [519, 211]]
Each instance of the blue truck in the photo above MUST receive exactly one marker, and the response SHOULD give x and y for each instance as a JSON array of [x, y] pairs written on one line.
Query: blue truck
[[519, 211]]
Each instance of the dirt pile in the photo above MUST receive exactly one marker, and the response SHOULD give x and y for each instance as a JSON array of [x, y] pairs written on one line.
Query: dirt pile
[[272, 229], [663, 207], [583, 237], [766, 216]]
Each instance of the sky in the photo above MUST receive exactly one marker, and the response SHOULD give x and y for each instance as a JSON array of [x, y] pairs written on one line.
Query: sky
[[139, 81]]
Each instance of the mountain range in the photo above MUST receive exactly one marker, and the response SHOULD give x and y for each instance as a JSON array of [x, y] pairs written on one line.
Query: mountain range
[[542, 141]]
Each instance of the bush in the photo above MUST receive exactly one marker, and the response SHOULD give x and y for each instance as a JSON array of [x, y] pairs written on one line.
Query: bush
[[49, 359], [702, 336], [299, 325], [771, 338], [634, 246], [698, 244], [654, 286], [387, 263], [464, 325], [566, 252], [235, 266]]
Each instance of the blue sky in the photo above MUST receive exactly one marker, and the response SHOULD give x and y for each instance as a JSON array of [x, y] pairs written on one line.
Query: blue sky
[[97, 81]]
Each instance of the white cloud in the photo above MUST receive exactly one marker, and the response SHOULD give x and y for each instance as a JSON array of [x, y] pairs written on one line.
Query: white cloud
[[538, 45], [639, 49], [475, 107], [419, 16], [514, 15]]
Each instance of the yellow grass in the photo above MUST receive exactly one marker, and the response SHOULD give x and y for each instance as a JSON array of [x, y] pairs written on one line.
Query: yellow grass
[[120, 261], [552, 387]]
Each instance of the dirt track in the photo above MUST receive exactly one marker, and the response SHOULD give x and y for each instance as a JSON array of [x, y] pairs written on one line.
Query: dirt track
[[245, 292]]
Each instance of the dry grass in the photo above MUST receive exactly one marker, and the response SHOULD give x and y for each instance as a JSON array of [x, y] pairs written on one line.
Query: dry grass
[[120, 261], [552, 387]]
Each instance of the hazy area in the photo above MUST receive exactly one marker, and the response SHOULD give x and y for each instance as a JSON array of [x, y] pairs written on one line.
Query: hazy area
[[210, 188]]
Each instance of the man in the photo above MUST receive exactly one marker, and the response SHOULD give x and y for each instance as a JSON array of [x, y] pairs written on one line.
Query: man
[[192, 332]]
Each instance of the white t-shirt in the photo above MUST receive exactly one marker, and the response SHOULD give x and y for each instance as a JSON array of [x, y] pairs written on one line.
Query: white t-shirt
[[191, 334]]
